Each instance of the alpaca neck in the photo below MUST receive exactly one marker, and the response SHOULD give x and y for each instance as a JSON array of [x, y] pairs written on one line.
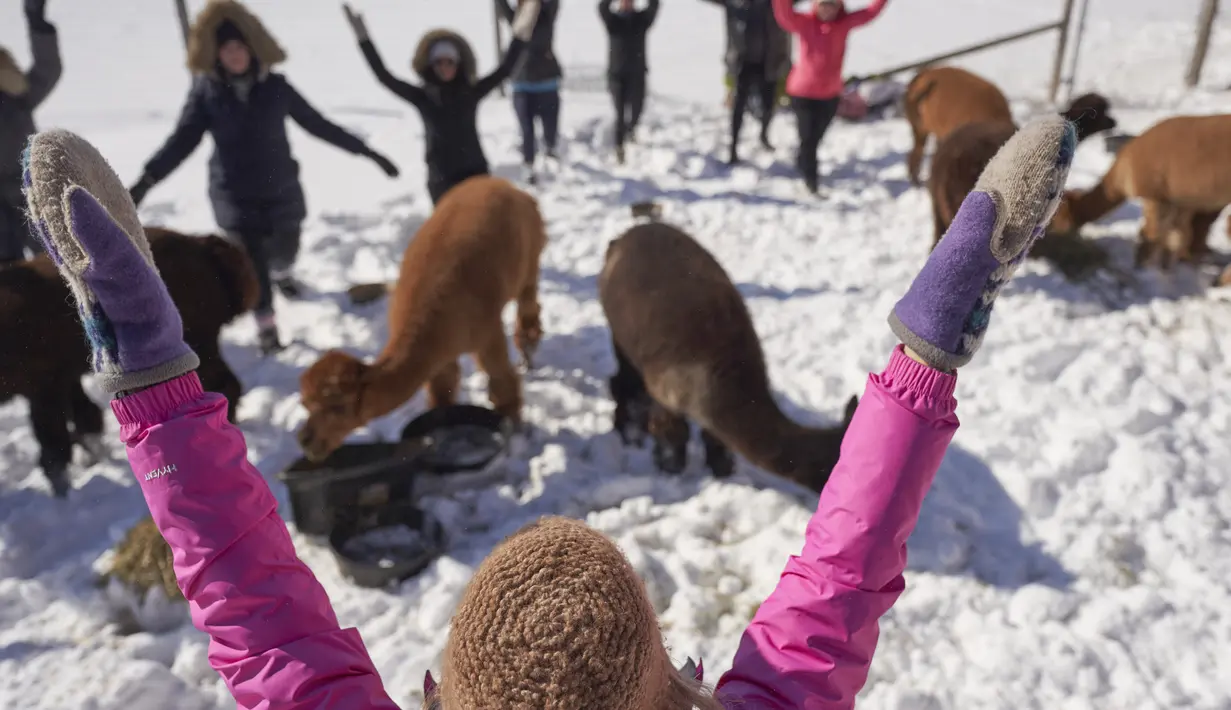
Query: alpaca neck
[[392, 380], [1103, 198], [759, 431]]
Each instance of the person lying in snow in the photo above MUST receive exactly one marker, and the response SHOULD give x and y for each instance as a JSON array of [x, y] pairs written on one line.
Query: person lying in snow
[[21, 92], [555, 617], [253, 178], [448, 100], [815, 82]]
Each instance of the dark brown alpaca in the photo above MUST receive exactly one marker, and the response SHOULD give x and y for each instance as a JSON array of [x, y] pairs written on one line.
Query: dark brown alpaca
[[961, 156], [940, 100], [686, 350], [478, 251], [1180, 169], [43, 353]]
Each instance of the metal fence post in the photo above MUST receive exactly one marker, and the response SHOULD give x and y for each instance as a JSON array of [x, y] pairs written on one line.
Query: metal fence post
[[1062, 45], [1205, 25], [182, 10]]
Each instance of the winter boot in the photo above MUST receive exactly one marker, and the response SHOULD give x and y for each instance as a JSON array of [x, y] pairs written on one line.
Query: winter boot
[[288, 286], [527, 174], [620, 154], [267, 335]]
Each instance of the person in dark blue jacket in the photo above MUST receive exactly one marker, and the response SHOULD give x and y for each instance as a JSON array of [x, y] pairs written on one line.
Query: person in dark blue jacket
[[253, 178]]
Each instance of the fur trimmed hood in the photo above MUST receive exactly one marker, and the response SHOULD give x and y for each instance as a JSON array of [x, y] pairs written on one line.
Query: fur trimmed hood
[[203, 47], [419, 63], [12, 79]]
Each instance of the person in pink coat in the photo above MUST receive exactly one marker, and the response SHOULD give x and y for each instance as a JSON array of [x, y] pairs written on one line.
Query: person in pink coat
[[555, 617], [815, 82]]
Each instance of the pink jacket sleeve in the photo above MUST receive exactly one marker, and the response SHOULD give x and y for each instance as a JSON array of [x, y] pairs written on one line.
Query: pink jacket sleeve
[[863, 16], [788, 19], [274, 638], [810, 644]]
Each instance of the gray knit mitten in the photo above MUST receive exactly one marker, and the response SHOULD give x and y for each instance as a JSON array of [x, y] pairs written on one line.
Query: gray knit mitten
[[945, 313], [89, 226]]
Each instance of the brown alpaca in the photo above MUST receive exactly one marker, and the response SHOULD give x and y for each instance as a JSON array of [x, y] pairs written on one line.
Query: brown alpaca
[[478, 251], [43, 353], [1180, 169], [940, 100], [961, 156], [686, 348]]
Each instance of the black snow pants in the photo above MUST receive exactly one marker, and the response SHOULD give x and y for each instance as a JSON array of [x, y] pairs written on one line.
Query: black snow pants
[[628, 96], [813, 117]]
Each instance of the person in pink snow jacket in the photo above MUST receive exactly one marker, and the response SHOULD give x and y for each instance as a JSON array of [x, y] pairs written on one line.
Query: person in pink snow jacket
[[555, 617], [815, 82]]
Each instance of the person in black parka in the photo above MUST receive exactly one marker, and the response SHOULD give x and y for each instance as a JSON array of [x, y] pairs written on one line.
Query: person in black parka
[[627, 64], [253, 178], [20, 94], [448, 101], [758, 56], [536, 81]]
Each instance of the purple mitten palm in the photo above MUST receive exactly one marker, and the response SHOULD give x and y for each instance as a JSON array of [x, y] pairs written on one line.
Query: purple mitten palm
[[945, 313], [89, 226]]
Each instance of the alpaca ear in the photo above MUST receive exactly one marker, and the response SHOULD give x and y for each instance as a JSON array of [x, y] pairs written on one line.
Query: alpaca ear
[[700, 676], [696, 670], [429, 684]]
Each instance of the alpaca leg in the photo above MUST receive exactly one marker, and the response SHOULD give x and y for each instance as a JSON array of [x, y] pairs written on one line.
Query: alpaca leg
[[217, 376], [1151, 212], [718, 458], [1167, 238], [529, 330], [914, 161], [670, 433], [632, 401], [442, 388], [1179, 244], [503, 382], [938, 222], [1202, 222], [50, 410], [87, 420]]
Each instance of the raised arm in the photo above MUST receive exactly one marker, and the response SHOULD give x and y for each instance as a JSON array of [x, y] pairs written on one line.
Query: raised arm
[[274, 637], [504, 10], [606, 13], [410, 93], [193, 122], [651, 13], [45, 73], [812, 639], [788, 19], [313, 122], [863, 16], [486, 84], [811, 642], [522, 26]]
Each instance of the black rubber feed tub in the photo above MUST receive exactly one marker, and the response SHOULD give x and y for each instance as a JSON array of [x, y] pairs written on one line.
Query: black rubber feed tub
[[457, 447], [356, 476], [386, 545]]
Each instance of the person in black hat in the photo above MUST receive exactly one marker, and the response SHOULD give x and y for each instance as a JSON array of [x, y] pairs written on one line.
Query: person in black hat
[[253, 178]]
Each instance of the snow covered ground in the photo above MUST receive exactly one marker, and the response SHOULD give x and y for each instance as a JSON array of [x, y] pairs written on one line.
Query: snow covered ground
[[1074, 552]]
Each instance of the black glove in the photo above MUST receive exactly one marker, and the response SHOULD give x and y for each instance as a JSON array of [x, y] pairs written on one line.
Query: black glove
[[385, 164], [36, 13], [138, 190]]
